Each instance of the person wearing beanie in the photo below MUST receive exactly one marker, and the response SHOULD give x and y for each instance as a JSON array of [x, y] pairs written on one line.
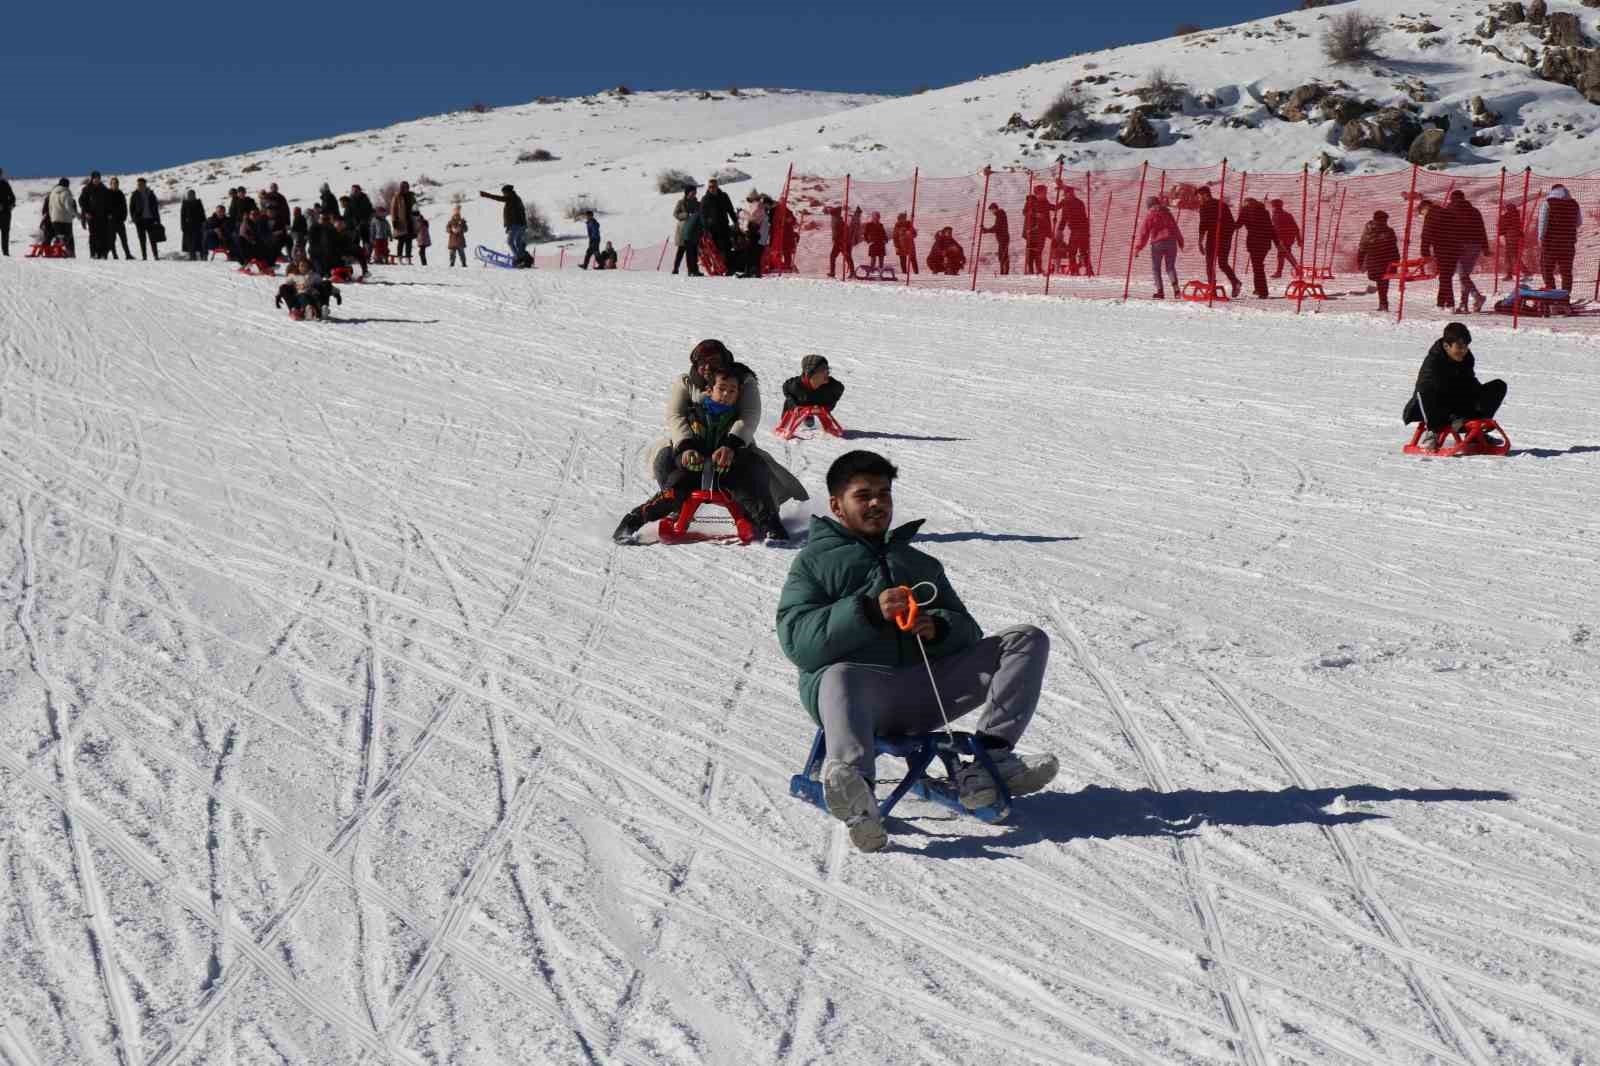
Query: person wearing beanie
[[1448, 393], [813, 387], [1377, 253], [61, 209], [515, 218]]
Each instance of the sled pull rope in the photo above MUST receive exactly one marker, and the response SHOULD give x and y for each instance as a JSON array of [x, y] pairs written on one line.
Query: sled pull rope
[[905, 622]]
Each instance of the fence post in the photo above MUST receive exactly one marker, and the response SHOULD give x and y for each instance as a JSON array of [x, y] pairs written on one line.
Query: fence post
[[1405, 250], [561, 260], [977, 224], [1215, 258], [1088, 211], [911, 260], [1300, 266], [1050, 267], [1516, 293], [1138, 206], [1316, 240], [844, 217], [662, 258], [1333, 235], [1499, 207], [1233, 260], [1100, 260]]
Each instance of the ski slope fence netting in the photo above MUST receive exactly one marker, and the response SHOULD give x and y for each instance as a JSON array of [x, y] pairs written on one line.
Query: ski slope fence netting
[[956, 242]]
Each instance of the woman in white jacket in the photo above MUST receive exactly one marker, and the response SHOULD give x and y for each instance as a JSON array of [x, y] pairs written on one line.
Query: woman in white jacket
[[62, 210]]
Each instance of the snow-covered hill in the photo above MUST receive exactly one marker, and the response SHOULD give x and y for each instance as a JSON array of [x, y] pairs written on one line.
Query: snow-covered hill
[[1434, 60]]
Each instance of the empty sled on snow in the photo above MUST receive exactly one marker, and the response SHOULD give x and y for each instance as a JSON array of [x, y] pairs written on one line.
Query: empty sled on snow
[[53, 249], [1412, 270], [789, 425], [920, 753], [1304, 289], [1473, 440], [1538, 303], [490, 257], [883, 273], [1197, 291]]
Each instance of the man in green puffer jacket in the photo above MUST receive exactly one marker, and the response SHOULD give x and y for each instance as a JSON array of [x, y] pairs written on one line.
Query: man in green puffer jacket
[[861, 677]]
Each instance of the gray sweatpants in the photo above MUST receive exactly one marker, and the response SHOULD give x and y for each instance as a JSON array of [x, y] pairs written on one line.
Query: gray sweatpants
[[1003, 671]]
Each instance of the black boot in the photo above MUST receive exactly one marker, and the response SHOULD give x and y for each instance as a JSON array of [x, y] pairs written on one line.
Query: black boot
[[628, 529]]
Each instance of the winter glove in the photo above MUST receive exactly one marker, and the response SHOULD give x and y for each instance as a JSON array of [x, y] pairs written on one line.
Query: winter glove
[[691, 460]]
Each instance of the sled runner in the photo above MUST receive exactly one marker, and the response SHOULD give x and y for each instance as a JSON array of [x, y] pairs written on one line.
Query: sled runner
[[920, 753], [1197, 291], [1413, 270], [218, 250], [1538, 303], [259, 267], [1473, 441], [56, 249], [490, 257], [1302, 289], [791, 422], [883, 273], [675, 529]]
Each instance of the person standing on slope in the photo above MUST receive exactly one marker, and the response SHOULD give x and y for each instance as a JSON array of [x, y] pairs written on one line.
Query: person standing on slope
[[456, 236], [61, 209], [145, 210], [192, 222], [1216, 239], [1286, 231], [1466, 223], [862, 677], [905, 244], [1075, 220], [402, 212], [515, 218], [1036, 229], [1002, 237], [686, 234], [1378, 252], [1560, 218], [718, 218], [592, 228], [8, 201], [1259, 239], [1160, 231], [424, 237]]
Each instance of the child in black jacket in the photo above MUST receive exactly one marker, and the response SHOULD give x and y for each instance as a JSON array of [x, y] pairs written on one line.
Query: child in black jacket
[[1448, 392], [814, 387]]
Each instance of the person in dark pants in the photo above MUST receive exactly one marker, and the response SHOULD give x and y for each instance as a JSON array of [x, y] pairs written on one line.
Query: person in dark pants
[[593, 229], [145, 211], [61, 209], [94, 215], [515, 217], [814, 386], [1511, 234], [1559, 220], [119, 220], [1216, 239], [322, 242], [8, 201], [1075, 222], [718, 218], [1378, 252], [1036, 215], [359, 217], [1260, 237], [1002, 237], [1286, 232], [1448, 393], [192, 221], [687, 235], [1439, 243]]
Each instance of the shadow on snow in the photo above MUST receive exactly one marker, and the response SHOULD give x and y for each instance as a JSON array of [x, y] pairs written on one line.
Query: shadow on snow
[[1015, 538]]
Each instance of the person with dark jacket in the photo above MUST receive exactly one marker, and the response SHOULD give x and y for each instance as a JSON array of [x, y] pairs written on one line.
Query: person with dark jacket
[[8, 201], [946, 256], [192, 221], [255, 239], [359, 218], [1448, 392], [607, 259], [276, 206], [1286, 231], [402, 218], [117, 203], [905, 244], [322, 239], [718, 217], [686, 233], [862, 676], [839, 230], [1511, 234], [813, 387], [592, 228], [1036, 229], [1559, 221], [1074, 225], [94, 213], [216, 232], [877, 239], [1378, 252], [1439, 244], [145, 210], [1002, 237], [1216, 228], [1260, 236], [298, 228], [515, 217], [1465, 223], [328, 202], [348, 246]]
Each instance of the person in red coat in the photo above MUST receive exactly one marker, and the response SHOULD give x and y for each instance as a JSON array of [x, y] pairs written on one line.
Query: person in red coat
[[877, 239]]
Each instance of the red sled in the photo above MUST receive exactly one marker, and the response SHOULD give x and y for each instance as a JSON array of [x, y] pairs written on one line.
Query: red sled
[[343, 275], [259, 267], [56, 249], [711, 261], [1412, 270], [1475, 440], [1319, 273], [1302, 289], [1200, 292], [297, 313], [218, 250], [676, 530], [789, 425]]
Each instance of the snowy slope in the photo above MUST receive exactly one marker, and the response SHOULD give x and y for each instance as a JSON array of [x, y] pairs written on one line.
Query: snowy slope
[[611, 148], [333, 729]]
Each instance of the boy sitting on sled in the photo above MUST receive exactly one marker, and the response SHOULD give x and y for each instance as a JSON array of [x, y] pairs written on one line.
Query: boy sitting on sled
[[306, 291], [711, 441], [861, 677], [814, 387], [1448, 394]]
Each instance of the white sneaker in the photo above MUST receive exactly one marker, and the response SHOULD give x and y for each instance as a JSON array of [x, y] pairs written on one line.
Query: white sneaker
[[1022, 774], [849, 798], [1429, 441]]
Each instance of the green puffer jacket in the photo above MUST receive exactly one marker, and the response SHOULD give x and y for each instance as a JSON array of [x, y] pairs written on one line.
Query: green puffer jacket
[[828, 612]]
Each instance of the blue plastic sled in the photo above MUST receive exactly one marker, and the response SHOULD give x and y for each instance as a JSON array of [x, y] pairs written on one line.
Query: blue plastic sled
[[919, 752], [490, 257]]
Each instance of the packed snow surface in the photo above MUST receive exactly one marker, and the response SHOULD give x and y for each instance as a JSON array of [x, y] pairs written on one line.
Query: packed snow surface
[[335, 729]]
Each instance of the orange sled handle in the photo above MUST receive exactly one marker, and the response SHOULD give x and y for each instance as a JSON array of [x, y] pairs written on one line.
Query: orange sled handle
[[908, 619]]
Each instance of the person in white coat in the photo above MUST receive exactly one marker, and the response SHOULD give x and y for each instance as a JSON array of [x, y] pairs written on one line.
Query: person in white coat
[[63, 211]]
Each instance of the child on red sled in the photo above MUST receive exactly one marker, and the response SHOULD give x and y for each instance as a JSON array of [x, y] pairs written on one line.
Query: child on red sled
[[1448, 393], [741, 471], [814, 387]]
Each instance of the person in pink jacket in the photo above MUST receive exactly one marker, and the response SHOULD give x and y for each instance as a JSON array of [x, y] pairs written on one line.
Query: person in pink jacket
[[1160, 231]]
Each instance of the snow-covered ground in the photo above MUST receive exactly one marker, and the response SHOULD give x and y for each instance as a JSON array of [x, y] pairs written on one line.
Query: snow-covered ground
[[334, 729]]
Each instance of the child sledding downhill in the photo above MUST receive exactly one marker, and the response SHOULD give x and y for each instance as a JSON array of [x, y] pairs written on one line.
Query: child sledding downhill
[[863, 677], [809, 397], [1448, 396], [306, 293], [711, 443]]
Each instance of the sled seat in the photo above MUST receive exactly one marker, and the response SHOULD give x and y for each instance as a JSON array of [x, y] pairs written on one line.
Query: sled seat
[[1537, 303], [1472, 441], [1412, 270], [259, 267], [1319, 273], [675, 529], [56, 249], [920, 753], [1197, 291], [789, 425], [1304, 289]]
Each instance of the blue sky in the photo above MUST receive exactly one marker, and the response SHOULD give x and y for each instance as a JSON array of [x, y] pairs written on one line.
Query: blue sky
[[132, 86]]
